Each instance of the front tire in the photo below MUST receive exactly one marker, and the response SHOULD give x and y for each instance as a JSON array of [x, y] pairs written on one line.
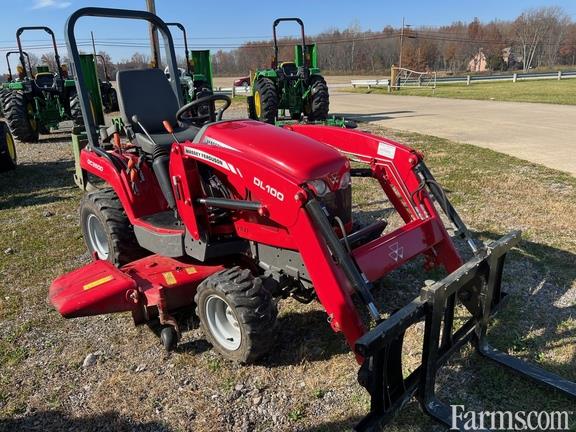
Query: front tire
[[265, 100], [237, 314], [19, 112], [7, 149], [107, 231]]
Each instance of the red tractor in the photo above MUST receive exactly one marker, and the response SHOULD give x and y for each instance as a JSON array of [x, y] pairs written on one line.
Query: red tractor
[[221, 218]]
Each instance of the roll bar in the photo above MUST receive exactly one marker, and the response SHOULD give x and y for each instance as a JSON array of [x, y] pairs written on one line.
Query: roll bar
[[186, 52], [104, 66], [278, 21], [84, 99], [8, 54], [51, 33]]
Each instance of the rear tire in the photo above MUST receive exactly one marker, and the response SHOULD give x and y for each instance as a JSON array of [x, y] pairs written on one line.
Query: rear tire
[[76, 111], [265, 100], [3, 93], [237, 314], [319, 99], [7, 149], [19, 113], [107, 230]]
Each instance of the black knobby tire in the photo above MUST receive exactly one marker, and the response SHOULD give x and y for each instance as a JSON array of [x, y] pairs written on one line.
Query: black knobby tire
[[252, 306], [319, 102], [3, 93], [23, 127], [267, 109], [104, 206], [7, 149], [76, 111]]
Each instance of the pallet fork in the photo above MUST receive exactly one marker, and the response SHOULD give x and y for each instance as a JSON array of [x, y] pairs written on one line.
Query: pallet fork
[[478, 286]]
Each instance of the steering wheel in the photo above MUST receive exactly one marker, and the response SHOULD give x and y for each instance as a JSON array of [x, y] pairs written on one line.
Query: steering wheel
[[194, 116]]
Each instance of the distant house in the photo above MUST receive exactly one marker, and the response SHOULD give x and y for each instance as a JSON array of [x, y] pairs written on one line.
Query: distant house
[[508, 61], [478, 63]]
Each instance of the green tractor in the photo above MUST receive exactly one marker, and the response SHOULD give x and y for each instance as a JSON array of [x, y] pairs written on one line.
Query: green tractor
[[196, 79], [296, 86], [4, 86], [36, 103], [108, 93]]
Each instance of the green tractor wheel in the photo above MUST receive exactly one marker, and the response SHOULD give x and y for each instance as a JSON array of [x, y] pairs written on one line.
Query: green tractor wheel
[[265, 100], [319, 101], [7, 149], [19, 112]]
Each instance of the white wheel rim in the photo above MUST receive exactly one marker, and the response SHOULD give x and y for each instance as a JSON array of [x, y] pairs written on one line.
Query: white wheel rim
[[222, 323], [97, 237]]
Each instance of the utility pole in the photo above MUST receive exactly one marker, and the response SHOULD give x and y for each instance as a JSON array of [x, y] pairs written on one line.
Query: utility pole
[[154, 44], [404, 27], [401, 43]]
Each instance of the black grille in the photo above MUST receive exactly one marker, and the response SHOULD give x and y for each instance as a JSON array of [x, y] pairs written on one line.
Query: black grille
[[339, 204]]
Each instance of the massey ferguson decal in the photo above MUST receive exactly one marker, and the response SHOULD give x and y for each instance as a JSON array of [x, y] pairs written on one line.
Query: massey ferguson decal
[[199, 154]]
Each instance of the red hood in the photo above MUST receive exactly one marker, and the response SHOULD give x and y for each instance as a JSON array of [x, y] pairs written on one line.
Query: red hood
[[294, 154]]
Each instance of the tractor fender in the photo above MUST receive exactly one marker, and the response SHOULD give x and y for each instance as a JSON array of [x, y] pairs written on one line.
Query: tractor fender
[[145, 198]]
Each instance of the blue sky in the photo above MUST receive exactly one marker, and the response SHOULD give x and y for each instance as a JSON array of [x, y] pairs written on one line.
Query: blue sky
[[231, 22]]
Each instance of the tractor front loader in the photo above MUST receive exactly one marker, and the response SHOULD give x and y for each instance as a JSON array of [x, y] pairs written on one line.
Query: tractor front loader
[[34, 103], [216, 220], [296, 86]]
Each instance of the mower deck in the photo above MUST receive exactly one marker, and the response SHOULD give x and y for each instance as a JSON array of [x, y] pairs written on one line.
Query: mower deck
[[147, 287]]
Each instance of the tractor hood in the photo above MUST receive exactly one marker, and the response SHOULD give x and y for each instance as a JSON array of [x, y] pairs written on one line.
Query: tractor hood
[[293, 154]]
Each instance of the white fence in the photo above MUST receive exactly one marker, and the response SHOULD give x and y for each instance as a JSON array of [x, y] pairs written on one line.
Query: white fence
[[468, 79]]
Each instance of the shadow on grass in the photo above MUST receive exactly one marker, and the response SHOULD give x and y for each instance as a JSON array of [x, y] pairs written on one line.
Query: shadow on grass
[[372, 117], [57, 421], [302, 337], [33, 184]]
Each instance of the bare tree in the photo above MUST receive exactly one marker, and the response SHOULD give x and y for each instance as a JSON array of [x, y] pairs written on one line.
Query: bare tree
[[534, 30]]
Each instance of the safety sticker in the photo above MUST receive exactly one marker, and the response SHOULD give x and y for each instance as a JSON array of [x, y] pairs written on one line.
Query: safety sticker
[[214, 142], [98, 282], [386, 150], [190, 270], [169, 278]]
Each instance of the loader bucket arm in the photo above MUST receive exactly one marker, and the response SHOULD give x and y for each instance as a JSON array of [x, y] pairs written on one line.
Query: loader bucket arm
[[91, 128], [54, 45], [8, 54], [275, 39]]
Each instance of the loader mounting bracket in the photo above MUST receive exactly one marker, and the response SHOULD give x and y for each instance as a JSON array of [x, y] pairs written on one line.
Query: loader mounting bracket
[[477, 285]]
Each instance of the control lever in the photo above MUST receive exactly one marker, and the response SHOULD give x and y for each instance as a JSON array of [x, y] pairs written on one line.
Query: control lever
[[135, 120], [170, 130]]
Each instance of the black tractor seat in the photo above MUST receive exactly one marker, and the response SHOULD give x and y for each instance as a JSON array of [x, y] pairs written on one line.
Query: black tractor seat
[[147, 94], [164, 140]]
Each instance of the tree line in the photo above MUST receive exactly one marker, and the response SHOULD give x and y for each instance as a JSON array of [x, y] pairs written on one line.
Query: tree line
[[543, 37]]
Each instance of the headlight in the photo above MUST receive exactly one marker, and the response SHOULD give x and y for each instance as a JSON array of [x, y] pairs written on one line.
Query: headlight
[[319, 187], [345, 180]]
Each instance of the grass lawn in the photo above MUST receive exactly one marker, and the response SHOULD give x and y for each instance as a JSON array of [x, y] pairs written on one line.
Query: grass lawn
[[308, 383], [545, 91]]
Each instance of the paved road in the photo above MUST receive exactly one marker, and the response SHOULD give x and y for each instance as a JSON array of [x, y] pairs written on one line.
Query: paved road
[[541, 133]]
